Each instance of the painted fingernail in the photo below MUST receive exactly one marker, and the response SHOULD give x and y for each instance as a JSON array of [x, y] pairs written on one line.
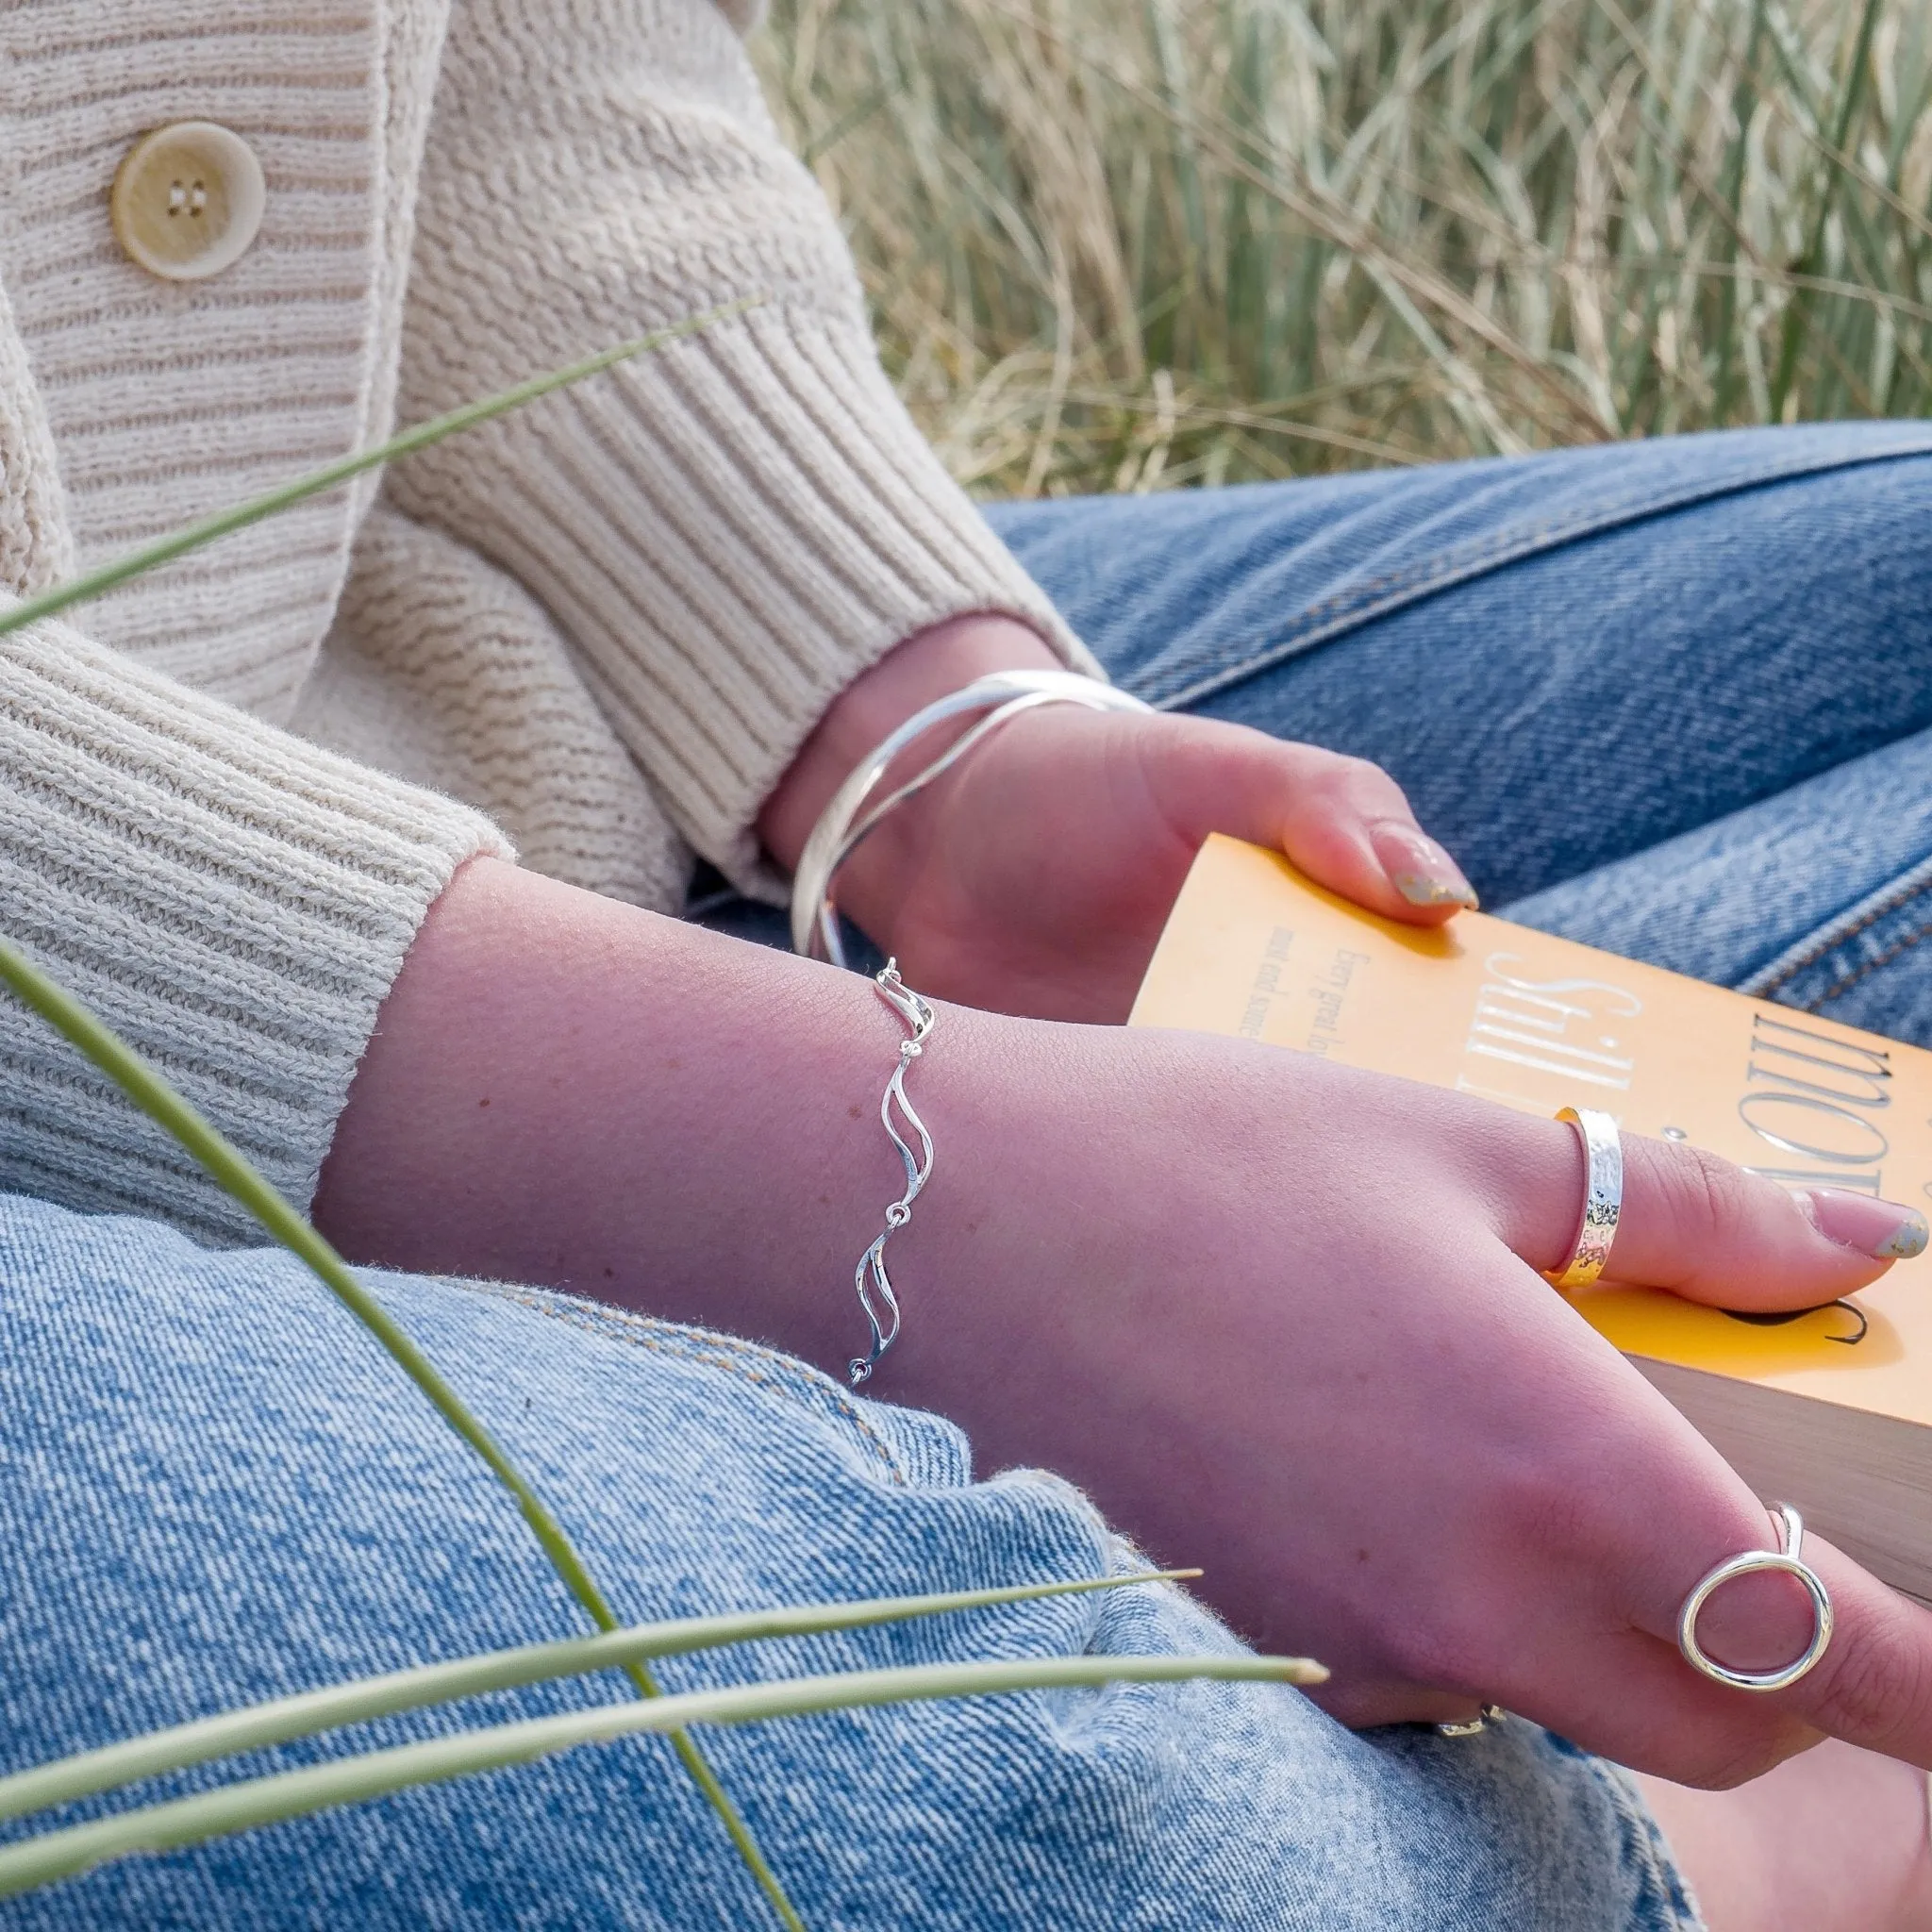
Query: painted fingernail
[[1417, 868], [1882, 1229]]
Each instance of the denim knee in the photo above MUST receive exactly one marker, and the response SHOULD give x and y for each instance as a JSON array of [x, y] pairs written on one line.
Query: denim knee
[[219, 1489]]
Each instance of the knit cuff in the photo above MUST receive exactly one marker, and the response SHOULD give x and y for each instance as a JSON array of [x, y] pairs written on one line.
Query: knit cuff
[[233, 902], [732, 530]]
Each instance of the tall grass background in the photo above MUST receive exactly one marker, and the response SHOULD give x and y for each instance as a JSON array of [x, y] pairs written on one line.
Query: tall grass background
[[1130, 244]]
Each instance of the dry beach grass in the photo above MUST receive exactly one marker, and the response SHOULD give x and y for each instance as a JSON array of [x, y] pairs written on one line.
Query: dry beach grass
[[1127, 245]]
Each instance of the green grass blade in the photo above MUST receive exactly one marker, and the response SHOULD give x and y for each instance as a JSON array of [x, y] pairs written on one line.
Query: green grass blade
[[232, 1171], [260, 1725], [224, 523], [1797, 320], [56, 1854], [1743, 107]]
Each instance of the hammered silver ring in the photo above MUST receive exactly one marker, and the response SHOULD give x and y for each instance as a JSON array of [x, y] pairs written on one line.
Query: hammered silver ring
[[1603, 1197], [1786, 1560]]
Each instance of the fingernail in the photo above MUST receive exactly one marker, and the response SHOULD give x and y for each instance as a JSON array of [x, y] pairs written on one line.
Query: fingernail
[[1417, 868], [1882, 1229]]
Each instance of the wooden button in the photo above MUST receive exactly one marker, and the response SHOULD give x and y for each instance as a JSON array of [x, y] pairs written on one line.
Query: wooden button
[[186, 200]]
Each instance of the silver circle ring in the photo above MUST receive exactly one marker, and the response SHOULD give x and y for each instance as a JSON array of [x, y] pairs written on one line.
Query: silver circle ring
[[1786, 1560], [1603, 1197]]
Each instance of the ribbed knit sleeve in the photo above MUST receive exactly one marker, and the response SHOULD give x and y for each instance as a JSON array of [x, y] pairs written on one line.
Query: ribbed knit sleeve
[[234, 901], [731, 531]]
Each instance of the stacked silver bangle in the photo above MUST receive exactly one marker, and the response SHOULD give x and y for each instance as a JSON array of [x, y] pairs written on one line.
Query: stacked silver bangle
[[839, 833], [1001, 694]]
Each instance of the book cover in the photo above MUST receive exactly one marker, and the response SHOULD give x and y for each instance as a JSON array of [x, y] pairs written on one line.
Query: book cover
[[1254, 949]]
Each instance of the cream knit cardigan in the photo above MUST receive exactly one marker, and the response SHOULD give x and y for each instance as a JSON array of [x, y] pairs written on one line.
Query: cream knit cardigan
[[230, 793]]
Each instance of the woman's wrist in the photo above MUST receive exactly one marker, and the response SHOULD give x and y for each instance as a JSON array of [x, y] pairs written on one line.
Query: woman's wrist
[[926, 666], [569, 1091]]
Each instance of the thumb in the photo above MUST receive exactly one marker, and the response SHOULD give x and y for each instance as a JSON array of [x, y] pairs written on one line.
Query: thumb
[[1342, 821]]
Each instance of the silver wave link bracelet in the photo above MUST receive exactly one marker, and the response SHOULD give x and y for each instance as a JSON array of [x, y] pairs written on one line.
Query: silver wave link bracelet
[[870, 1280], [1001, 696]]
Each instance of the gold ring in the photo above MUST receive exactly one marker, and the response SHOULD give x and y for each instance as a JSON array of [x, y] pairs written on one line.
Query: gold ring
[[1472, 1726], [1603, 1197]]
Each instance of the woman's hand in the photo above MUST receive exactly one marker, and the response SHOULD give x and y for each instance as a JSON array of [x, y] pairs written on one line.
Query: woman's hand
[[1039, 879], [1279, 1318], [1284, 1319], [1035, 876]]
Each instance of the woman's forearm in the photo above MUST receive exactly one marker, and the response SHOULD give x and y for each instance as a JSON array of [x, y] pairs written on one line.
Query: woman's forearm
[[1273, 1314], [567, 1091]]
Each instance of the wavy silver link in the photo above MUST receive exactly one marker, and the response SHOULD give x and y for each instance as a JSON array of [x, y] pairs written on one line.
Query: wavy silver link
[[870, 1281]]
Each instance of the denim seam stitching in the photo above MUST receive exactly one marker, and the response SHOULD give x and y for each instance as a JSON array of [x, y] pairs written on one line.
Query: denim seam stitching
[[1870, 967], [613, 1325], [1365, 601], [1839, 936], [1380, 595]]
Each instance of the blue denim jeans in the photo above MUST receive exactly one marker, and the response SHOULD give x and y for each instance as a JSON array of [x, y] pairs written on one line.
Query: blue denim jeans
[[1672, 698], [1669, 697], [217, 1490]]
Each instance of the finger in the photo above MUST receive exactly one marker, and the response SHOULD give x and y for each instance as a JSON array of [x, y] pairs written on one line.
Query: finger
[[1342, 821], [1698, 1226], [1557, 1597], [1632, 1698], [1627, 1508], [1347, 825], [1677, 1511], [1874, 1685], [1588, 1508], [1558, 1594], [1622, 1692]]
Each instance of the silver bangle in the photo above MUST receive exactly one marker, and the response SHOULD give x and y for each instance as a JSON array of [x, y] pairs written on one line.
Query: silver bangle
[[1002, 694], [870, 1281]]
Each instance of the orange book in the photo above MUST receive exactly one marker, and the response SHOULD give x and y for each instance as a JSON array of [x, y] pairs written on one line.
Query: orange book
[[1830, 1409]]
